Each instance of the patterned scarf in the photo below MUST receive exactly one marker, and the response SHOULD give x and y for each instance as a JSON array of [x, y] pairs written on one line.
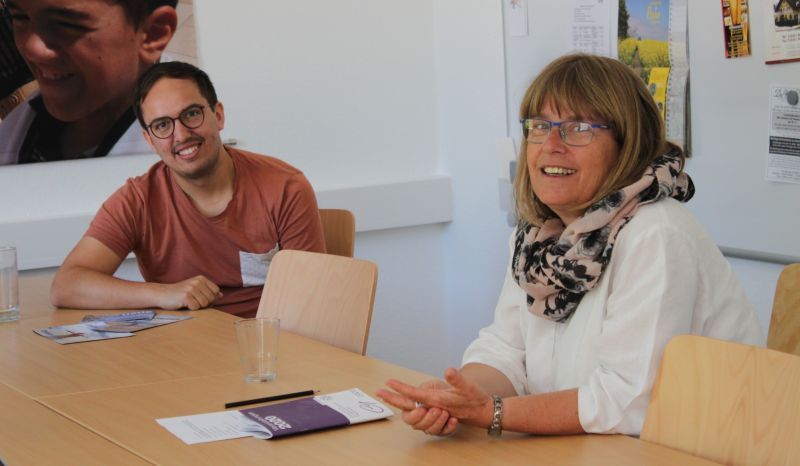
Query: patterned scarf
[[556, 266]]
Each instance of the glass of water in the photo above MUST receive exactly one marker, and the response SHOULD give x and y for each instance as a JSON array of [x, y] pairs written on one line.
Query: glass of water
[[9, 293], [258, 348]]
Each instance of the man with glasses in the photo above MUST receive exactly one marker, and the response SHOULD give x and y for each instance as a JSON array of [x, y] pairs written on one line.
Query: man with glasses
[[204, 222]]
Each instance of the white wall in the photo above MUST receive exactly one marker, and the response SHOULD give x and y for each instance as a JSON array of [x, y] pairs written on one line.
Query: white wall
[[758, 279], [344, 89], [729, 130], [408, 323], [730, 125], [470, 90]]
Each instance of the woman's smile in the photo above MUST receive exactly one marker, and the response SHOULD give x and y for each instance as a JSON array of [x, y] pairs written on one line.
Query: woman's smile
[[557, 171]]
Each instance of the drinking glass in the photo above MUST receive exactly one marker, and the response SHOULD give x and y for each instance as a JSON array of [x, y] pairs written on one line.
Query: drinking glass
[[258, 348], [9, 292]]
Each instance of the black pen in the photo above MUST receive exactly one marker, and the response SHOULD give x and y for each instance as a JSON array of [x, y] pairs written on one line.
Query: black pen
[[285, 396]]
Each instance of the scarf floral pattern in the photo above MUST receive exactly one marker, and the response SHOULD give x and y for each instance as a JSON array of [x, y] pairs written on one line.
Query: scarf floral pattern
[[556, 265]]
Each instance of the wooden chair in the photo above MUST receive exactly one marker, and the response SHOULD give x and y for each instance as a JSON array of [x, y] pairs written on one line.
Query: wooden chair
[[321, 296], [339, 227], [784, 326], [728, 402]]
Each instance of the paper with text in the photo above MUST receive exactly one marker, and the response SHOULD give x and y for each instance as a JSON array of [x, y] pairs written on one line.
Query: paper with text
[[209, 427]]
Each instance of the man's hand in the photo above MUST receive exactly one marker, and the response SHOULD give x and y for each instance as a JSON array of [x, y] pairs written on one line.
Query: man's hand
[[194, 293]]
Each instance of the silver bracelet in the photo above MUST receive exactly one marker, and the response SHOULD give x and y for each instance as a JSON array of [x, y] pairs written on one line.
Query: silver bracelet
[[496, 428]]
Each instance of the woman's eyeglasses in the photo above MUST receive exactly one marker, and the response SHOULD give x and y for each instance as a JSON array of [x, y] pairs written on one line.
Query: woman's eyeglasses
[[573, 133]]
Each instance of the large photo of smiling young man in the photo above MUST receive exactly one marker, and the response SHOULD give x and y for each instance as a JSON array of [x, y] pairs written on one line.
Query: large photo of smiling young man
[[85, 57]]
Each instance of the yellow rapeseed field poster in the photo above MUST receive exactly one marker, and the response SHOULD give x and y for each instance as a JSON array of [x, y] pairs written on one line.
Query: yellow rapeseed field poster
[[652, 39]]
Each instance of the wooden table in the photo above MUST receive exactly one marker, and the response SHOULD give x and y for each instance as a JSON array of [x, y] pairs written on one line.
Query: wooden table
[[33, 434], [382, 442], [105, 396], [37, 366]]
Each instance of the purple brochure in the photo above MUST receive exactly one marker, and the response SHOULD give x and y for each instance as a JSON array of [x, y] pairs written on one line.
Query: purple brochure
[[317, 413]]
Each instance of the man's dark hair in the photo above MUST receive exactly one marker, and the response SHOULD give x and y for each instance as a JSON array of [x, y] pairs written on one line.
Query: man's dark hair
[[137, 10], [173, 70]]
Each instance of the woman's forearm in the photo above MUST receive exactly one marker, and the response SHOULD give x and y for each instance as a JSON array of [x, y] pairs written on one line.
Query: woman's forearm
[[488, 379], [548, 413]]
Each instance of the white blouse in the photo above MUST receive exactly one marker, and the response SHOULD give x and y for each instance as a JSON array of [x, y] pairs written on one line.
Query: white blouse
[[666, 277]]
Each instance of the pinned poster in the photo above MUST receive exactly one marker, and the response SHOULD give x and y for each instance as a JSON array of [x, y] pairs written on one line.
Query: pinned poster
[[783, 31], [653, 40], [783, 159], [592, 27], [736, 26]]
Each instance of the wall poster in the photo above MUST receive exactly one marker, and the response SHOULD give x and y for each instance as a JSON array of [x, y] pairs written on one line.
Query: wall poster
[[736, 26], [783, 30], [783, 159], [67, 72], [592, 27], [653, 40]]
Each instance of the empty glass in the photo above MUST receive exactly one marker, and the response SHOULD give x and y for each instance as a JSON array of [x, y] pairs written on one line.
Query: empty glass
[[258, 348]]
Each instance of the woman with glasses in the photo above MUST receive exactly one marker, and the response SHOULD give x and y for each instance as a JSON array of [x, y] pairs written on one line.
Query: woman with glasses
[[606, 266]]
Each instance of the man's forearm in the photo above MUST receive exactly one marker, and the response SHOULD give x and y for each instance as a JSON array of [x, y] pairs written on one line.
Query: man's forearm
[[82, 288]]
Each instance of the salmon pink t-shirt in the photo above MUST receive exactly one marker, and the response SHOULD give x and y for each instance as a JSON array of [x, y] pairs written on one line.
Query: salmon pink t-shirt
[[273, 207]]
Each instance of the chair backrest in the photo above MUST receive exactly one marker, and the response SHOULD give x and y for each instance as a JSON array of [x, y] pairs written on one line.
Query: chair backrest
[[339, 227], [784, 326], [728, 402], [321, 296]]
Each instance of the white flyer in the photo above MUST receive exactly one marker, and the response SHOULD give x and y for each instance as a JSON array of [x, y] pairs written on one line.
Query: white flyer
[[783, 157], [208, 427], [592, 27]]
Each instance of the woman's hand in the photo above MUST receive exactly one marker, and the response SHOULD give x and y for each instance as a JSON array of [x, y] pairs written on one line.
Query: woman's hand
[[445, 405], [431, 420]]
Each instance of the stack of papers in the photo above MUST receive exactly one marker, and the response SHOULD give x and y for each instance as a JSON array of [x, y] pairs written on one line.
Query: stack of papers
[[107, 327]]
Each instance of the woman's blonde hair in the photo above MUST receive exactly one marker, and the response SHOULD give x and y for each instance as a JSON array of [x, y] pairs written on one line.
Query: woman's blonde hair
[[603, 90]]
